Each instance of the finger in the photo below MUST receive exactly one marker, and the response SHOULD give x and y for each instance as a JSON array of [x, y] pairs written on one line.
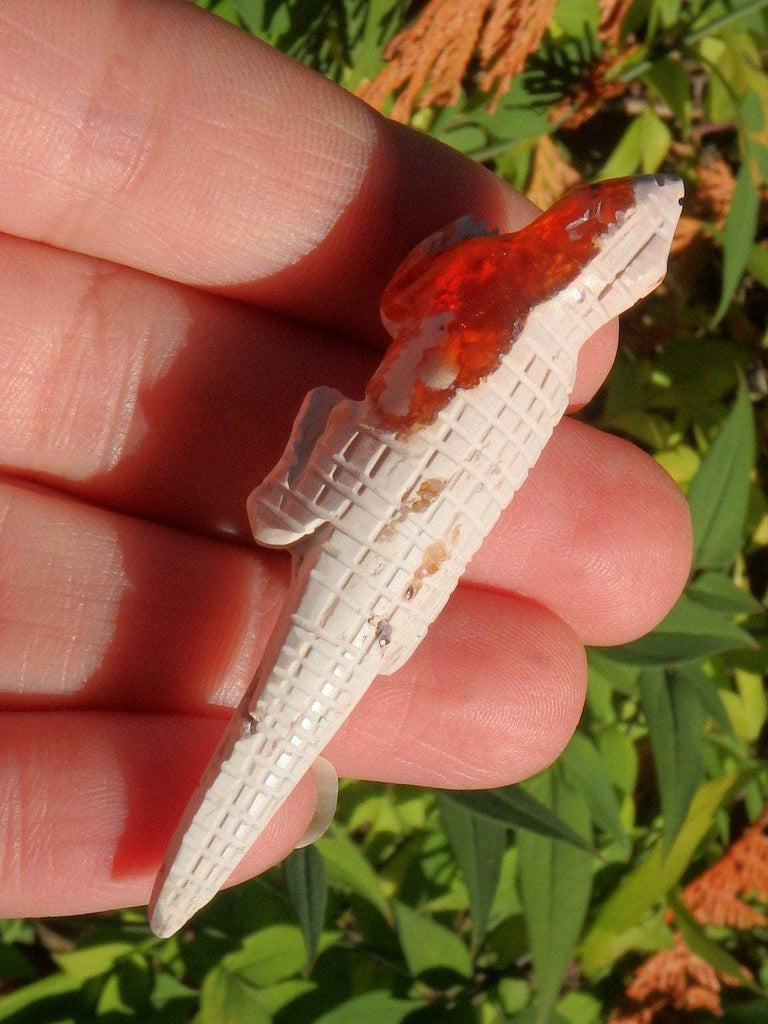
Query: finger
[[490, 697], [147, 396], [599, 533], [106, 610], [276, 185], [101, 792], [98, 795], [137, 159], [153, 398]]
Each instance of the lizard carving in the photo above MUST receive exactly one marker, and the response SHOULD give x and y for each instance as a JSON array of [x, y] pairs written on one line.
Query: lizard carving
[[383, 501]]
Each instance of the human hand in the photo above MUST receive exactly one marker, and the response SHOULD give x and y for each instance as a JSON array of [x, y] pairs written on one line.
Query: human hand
[[224, 222]]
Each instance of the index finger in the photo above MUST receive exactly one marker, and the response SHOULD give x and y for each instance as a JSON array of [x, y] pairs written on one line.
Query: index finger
[[168, 140]]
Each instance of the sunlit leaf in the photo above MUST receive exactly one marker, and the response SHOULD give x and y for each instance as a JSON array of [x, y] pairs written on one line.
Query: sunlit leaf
[[719, 592], [429, 947], [555, 883], [347, 868], [697, 941], [516, 808], [689, 632], [90, 961], [647, 884], [719, 493], [304, 876], [708, 693], [738, 235], [373, 1007], [479, 844], [671, 81], [675, 717], [642, 147], [585, 769]]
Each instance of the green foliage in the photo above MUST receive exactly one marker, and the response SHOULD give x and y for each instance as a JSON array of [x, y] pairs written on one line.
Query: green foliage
[[530, 903]]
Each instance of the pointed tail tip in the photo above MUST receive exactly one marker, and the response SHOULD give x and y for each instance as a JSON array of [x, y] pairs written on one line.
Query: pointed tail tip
[[161, 925]]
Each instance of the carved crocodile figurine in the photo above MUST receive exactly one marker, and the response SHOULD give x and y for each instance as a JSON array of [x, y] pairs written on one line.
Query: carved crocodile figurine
[[382, 502]]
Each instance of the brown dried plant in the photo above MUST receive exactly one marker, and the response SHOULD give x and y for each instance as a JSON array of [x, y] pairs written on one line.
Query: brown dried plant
[[710, 202], [427, 60], [676, 980], [597, 84], [551, 174]]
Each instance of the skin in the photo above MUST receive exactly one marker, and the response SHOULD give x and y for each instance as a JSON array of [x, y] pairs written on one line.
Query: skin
[[195, 232]]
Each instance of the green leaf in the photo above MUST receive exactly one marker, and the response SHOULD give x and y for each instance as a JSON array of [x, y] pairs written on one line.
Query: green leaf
[[429, 948], [697, 941], [690, 632], [619, 754], [54, 998], [708, 693], [91, 961], [580, 1008], [347, 868], [516, 808], [248, 984], [675, 718], [270, 955], [376, 1007], [479, 844], [14, 966], [304, 876], [747, 707], [719, 592], [669, 79], [646, 885], [738, 234], [585, 769], [642, 147], [555, 883], [719, 493], [225, 998], [628, 153]]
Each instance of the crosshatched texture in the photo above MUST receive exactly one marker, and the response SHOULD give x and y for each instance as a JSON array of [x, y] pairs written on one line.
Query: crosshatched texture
[[382, 512]]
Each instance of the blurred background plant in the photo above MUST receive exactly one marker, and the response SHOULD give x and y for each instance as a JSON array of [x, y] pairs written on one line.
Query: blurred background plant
[[627, 882]]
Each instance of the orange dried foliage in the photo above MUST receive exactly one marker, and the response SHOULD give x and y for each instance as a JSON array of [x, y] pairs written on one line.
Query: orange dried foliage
[[715, 896], [596, 86], [677, 979], [428, 59], [513, 31], [710, 202], [674, 979], [592, 90], [611, 16], [551, 174], [715, 183]]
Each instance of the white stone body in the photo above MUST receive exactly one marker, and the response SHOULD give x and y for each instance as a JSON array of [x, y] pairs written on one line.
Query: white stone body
[[381, 527]]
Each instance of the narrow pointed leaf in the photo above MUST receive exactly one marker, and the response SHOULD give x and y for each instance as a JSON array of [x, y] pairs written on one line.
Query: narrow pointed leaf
[[646, 885], [516, 808], [555, 883], [699, 943], [479, 844], [690, 632], [304, 876], [719, 493], [675, 717], [584, 767], [738, 235], [716, 590], [708, 693]]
